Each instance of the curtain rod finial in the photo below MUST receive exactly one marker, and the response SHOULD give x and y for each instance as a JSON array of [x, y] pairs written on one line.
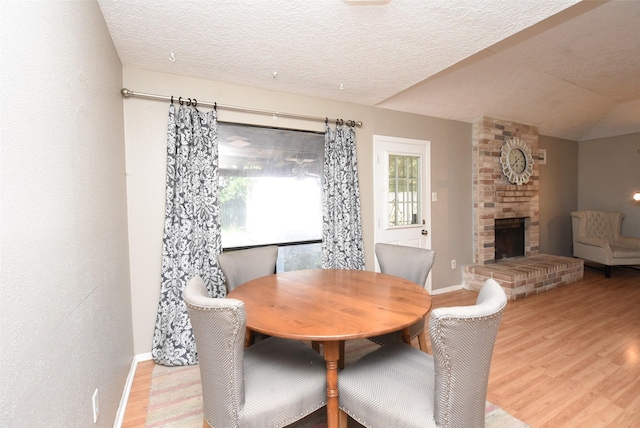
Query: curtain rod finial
[[126, 92]]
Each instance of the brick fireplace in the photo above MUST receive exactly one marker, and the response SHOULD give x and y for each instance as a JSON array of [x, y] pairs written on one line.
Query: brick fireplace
[[495, 199]]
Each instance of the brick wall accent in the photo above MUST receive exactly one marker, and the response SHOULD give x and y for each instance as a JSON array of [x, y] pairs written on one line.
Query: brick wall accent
[[493, 196]]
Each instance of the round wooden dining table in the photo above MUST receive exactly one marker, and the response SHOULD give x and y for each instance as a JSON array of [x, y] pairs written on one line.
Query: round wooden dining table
[[330, 306]]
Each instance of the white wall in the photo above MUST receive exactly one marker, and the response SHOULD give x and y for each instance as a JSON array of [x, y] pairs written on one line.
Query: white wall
[[145, 137], [609, 174], [65, 292]]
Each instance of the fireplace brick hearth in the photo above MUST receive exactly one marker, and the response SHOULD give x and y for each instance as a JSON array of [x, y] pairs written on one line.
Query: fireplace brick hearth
[[494, 197], [526, 276]]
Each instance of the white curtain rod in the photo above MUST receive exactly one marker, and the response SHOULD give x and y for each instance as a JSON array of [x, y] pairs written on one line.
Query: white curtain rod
[[129, 93]]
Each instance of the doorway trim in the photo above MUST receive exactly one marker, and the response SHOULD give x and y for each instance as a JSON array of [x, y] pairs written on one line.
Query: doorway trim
[[378, 183]]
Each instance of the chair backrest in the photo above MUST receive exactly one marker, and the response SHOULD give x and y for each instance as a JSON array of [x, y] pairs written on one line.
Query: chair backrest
[[463, 338], [218, 327], [410, 263], [245, 265], [597, 224]]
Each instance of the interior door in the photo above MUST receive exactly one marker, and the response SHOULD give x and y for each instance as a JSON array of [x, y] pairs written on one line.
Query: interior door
[[401, 192]]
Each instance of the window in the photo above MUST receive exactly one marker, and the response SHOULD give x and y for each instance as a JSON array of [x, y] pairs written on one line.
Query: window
[[271, 191], [404, 195]]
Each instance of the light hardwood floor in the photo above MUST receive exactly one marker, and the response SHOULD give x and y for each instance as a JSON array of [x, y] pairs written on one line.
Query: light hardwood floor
[[566, 358]]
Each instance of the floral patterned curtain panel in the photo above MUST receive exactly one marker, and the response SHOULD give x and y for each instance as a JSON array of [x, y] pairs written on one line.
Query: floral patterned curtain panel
[[342, 246], [192, 241]]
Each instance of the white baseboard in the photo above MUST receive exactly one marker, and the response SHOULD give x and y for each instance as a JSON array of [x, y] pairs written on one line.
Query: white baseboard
[[143, 357], [447, 289], [127, 387]]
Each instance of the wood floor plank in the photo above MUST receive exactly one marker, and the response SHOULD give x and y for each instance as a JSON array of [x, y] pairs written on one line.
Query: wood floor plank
[[600, 413], [631, 415], [135, 414], [569, 357], [558, 393]]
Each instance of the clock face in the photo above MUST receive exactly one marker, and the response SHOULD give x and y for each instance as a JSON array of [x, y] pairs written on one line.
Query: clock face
[[516, 161]]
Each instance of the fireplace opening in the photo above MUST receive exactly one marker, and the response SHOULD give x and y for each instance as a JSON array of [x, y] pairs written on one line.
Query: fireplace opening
[[509, 239]]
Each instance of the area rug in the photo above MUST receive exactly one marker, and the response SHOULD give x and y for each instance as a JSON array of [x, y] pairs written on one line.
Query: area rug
[[175, 399]]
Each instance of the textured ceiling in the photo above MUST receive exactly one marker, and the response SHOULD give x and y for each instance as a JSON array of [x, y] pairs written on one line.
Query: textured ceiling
[[570, 68]]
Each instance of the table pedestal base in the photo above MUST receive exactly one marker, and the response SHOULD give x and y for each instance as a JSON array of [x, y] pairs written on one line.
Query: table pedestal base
[[331, 357]]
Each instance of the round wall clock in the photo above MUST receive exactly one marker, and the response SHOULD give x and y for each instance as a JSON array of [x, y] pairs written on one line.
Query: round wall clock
[[516, 161]]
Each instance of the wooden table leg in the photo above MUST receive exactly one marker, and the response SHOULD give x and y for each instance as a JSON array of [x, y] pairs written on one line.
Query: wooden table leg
[[316, 347], [248, 338], [344, 419], [406, 337], [331, 357]]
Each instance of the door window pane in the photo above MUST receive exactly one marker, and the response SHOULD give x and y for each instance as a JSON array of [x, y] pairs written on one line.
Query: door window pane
[[404, 190]]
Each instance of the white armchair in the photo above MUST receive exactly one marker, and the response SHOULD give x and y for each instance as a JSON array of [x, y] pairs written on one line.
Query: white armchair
[[596, 238]]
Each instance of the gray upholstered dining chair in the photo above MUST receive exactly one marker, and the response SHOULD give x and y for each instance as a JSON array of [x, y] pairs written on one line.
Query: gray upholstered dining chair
[[245, 265], [400, 386], [270, 384], [412, 264], [242, 266]]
